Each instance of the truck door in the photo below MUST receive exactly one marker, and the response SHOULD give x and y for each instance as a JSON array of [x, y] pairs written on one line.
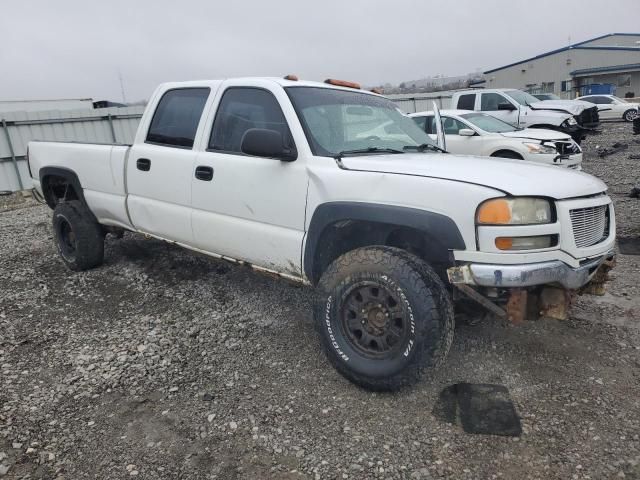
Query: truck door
[[499, 106], [159, 167], [250, 208]]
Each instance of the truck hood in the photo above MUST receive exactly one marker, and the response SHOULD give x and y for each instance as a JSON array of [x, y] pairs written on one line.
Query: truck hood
[[574, 107], [515, 177], [537, 134]]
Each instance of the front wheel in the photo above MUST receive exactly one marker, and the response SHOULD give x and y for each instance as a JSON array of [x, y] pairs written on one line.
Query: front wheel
[[79, 238], [384, 316], [629, 115]]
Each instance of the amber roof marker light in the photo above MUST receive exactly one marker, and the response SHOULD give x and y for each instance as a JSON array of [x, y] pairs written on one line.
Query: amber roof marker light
[[342, 83], [293, 78]]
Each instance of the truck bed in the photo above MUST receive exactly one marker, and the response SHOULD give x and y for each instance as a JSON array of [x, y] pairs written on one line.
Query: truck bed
[[100, 169]]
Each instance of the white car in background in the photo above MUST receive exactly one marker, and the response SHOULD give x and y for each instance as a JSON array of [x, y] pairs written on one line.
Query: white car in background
[[475, 133], [612, 107]]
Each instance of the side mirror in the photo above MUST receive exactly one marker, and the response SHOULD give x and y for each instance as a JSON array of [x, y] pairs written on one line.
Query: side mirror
[[263, 142], [506, 106], [466, 132]]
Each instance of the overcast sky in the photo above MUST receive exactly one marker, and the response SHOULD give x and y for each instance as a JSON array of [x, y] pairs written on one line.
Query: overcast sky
[[75, 48]]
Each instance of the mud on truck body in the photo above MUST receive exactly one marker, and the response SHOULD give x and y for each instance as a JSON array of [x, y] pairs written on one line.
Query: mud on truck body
[[285, 176]]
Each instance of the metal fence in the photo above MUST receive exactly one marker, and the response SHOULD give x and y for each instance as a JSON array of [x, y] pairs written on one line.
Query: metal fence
[[420, 102], [105, 125]]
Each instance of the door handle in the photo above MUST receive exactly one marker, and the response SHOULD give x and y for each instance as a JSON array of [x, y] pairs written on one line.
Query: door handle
[[143, 164], [204, 173]]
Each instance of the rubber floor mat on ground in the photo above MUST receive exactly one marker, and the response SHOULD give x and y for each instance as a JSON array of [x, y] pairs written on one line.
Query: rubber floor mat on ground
[[629, 246], [479, 408]]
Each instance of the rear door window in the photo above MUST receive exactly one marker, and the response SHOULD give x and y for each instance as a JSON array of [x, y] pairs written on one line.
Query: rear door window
[[244, 108], [175, 121], [467, 102]]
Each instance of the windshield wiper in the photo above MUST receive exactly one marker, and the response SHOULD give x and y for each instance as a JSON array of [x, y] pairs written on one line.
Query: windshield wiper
[[366, 150], [424, 146]]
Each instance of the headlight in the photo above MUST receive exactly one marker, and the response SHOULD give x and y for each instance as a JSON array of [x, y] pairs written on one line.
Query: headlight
[[514, 211], [539, 148], [570, 122]]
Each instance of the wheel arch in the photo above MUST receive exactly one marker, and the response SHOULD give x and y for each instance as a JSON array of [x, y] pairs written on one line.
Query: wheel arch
[[506, 150], [51, 178], [338, 227]]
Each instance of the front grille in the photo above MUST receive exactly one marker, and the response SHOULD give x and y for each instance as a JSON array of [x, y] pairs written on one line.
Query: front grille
[[567, 148], [590, 225], [589, 117]]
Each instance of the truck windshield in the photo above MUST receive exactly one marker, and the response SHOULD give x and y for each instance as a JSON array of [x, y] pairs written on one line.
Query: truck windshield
[[338, 121], [488, 123], [523, 98]]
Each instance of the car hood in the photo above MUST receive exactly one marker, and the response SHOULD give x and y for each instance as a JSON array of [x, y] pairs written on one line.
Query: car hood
[[515, 177], [574, 107], [537, 134]]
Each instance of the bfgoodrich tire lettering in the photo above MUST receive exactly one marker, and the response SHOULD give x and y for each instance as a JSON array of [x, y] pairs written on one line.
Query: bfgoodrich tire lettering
[[383, 316], [78, 237]]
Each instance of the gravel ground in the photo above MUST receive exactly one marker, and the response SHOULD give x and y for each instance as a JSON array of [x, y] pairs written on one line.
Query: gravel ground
[[166, 364]]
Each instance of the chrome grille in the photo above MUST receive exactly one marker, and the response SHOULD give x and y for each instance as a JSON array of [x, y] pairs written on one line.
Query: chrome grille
[[590, 225]]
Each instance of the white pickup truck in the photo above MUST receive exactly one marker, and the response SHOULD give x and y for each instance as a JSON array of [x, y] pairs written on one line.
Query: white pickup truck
[[282, 175], [523, 110]]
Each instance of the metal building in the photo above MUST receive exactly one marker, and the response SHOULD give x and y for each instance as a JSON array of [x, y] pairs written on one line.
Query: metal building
[[609, 59]]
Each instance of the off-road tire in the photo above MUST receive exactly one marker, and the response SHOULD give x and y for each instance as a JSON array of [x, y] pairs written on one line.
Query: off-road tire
[[78, 237], [629, 115], [423, 297]]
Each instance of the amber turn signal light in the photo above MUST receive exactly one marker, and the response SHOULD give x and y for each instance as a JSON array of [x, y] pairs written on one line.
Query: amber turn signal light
[[342, 83], [496, 212]]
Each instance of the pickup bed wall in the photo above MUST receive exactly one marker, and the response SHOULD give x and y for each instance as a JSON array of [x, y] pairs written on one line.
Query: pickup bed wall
[[90, 125]]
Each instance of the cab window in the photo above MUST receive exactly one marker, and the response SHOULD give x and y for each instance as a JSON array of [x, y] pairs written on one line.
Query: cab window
[[244, 108], [467, 102], [490, 101], [177, 117]]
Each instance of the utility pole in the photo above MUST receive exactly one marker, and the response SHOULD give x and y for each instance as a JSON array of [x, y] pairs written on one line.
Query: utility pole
[[124, 98]]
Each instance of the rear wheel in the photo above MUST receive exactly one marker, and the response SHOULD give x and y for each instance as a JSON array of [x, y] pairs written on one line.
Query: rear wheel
[[79, 238], [384, 316], [629, 115]]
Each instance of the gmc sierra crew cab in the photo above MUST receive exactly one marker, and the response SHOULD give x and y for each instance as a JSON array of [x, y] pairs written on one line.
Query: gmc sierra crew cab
[[523, 110], [286, 176]]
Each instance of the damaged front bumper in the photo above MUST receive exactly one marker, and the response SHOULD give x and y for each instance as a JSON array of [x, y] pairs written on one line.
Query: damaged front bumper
[[529, 275]]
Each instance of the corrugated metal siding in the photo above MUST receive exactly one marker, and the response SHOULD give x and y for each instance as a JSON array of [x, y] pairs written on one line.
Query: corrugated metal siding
[[420, 102], [65, 126]]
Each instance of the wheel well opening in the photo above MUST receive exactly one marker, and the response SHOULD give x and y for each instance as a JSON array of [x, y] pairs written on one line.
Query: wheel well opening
[[504, 153], [346, 235], [57, 189]]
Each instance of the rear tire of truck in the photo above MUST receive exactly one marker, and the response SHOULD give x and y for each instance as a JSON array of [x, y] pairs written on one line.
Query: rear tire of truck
[[79, 238], [384, 317]]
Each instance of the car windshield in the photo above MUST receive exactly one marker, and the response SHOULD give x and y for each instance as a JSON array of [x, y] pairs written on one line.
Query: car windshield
[[337, 121], [523, 98], [488, 123], [549, 96]]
